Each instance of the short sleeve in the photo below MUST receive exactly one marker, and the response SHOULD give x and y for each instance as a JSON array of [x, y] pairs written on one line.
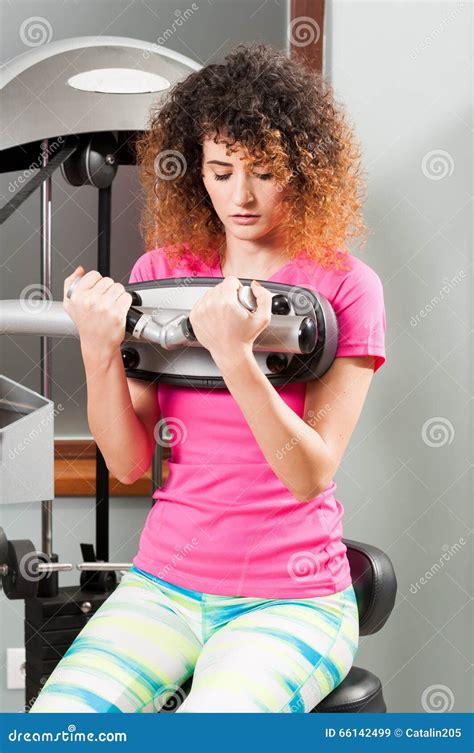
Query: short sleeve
[[360, 310], [149, 266]]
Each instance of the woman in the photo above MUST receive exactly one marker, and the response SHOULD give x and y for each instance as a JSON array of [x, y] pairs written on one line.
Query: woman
[[241, 578]]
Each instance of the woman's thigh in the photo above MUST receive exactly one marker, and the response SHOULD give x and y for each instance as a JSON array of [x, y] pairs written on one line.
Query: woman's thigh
[[132, 655], [285, 656]]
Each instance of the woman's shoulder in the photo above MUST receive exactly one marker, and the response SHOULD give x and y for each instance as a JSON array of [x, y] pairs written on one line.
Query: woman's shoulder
[[356, 295], [353, 277], [152, 265]]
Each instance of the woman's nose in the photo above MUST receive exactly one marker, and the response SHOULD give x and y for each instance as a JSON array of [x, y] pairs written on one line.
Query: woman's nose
[[242, 192]]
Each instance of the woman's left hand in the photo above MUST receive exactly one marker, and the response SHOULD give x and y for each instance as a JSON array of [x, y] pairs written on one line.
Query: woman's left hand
[[222, 325]]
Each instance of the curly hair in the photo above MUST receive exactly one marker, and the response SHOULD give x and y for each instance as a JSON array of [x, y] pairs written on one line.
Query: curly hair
[[284, 117]]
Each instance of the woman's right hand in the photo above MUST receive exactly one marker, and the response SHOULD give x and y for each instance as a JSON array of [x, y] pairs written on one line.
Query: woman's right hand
[[99, 308]]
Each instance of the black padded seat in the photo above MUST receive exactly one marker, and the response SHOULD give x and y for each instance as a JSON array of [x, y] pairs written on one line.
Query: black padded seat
[[360, 691]]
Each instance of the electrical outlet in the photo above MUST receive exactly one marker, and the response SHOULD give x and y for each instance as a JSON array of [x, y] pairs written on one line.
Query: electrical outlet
[[15, 668]]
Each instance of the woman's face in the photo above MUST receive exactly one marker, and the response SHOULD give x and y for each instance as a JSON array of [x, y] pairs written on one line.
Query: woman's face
[[234, 191]]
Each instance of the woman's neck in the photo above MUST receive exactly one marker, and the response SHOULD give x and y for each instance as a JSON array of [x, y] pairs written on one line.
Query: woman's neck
[[259, 264], [253, 273]]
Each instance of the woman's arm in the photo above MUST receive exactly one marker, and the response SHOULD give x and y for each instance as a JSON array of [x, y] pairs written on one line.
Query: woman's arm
[[122, 414], [303, 453]]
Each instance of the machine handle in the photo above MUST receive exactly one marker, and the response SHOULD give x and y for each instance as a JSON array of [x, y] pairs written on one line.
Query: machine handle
[[285, 334], [135, 324], [246, 298], [134, 315]]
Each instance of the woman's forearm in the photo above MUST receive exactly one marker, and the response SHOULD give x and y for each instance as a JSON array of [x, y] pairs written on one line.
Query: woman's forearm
[[117, 430], [276, 427]]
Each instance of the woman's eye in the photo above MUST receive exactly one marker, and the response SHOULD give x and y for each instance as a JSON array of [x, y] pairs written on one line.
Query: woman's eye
[[262, 176]]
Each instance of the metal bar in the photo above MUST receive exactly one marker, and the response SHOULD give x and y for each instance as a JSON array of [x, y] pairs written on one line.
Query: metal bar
[[45, 341], [104, 565], [40, 177], [102, 472]]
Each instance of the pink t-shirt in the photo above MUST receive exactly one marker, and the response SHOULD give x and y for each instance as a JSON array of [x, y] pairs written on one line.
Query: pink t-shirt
[[223, 522]]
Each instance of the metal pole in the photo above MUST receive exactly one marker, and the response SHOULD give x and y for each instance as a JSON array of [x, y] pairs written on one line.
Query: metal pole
[[102, 472], [45, 341]]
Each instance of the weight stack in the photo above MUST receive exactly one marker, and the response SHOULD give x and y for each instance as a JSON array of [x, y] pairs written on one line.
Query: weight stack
[[51, 625]]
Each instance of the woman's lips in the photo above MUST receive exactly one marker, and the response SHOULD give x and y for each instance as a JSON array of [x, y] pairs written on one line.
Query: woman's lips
[[245, 220]]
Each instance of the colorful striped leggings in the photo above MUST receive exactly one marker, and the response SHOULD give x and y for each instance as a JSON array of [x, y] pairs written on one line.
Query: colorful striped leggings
[[248, 654]]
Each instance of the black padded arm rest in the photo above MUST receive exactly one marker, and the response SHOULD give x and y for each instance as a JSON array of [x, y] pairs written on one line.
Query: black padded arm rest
[[375, 584]]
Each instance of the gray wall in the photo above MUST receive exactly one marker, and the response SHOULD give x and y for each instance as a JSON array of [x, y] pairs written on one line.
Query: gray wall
[[403, 72]]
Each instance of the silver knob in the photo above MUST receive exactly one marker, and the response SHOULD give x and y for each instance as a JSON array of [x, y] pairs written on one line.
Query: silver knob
[[247, 298], [71, 287]]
